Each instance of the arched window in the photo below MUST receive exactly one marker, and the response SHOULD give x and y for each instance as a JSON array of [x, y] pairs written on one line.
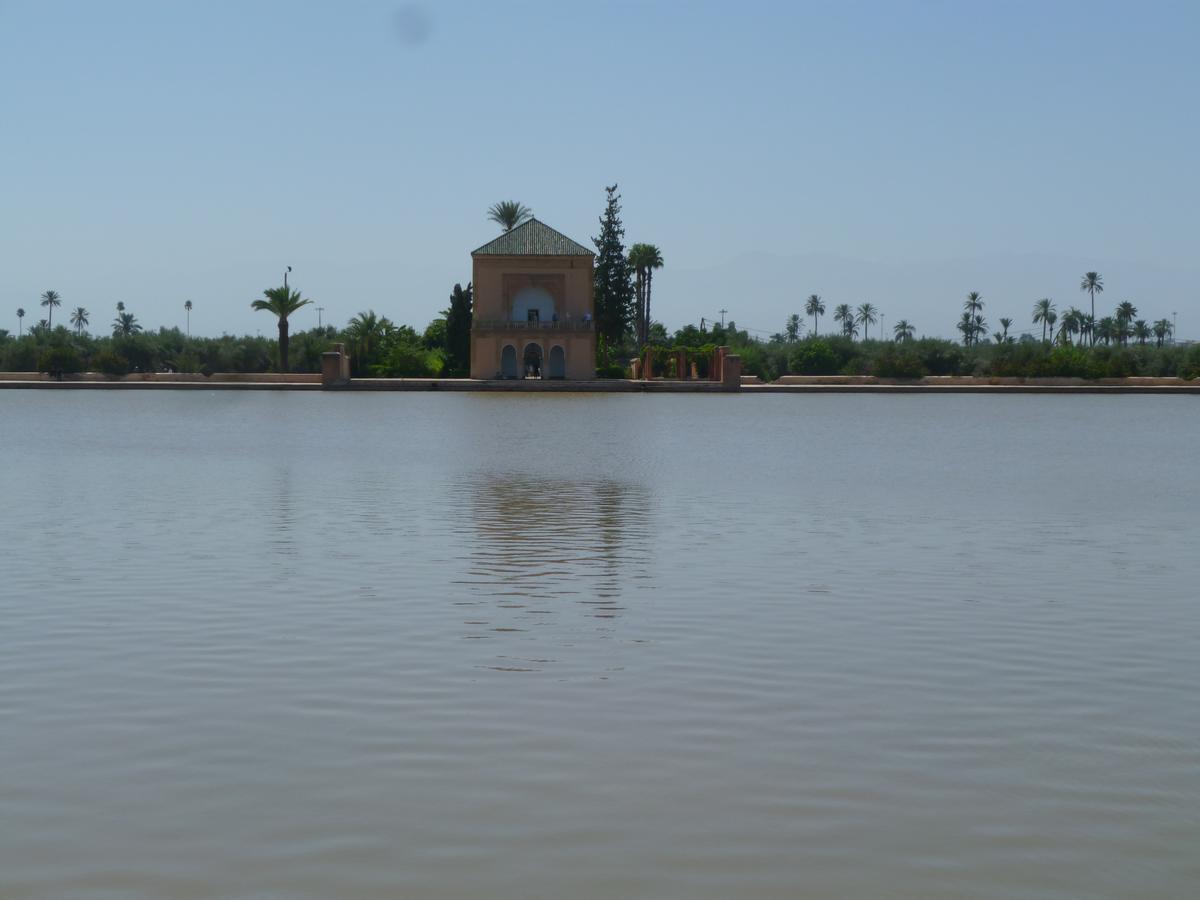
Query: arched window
[[557, 365], [508, 361]]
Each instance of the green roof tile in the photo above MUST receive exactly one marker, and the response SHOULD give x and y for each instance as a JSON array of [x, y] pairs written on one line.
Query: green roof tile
[[533, 238]]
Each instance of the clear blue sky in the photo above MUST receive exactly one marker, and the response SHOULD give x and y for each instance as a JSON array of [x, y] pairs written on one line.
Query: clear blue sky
[[898, 152]]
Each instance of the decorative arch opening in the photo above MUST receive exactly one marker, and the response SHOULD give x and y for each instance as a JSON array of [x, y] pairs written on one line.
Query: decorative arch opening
[[533, 360], [557, 367], [508, 361]]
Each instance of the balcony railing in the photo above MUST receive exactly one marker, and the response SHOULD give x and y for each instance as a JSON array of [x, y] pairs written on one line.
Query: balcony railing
[[510, 325]]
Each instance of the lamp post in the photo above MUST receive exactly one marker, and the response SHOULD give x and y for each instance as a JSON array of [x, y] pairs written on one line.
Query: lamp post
[[1174, 322], [320, 309]]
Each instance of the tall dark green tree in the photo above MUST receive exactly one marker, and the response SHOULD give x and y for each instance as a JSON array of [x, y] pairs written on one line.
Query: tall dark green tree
[[612, 283], [458, 330]]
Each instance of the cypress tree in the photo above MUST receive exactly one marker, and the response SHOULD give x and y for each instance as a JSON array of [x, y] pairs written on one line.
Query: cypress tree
[[458, 330], [613, 284]]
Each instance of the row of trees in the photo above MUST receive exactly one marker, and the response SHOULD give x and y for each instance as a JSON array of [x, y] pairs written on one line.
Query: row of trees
[[378, 346], [912, 357], [1074, 326]]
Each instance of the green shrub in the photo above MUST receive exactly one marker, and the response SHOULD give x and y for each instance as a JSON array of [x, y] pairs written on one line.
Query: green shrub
[[407, 359], [814, 357], [939, 357], [59, 360], [109, 363], [895, 361], [612, 370]]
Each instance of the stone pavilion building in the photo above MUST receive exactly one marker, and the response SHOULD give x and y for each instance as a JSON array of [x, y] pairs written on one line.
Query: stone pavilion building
[[533, 306]]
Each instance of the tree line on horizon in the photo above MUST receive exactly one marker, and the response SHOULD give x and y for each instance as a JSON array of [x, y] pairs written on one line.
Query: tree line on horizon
[[1118, 328]]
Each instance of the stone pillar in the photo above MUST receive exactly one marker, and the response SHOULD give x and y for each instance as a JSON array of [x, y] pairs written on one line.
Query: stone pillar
[[681, 365], [649, 364], [635, 369], [335, 367], [731, 372], [718, 369]]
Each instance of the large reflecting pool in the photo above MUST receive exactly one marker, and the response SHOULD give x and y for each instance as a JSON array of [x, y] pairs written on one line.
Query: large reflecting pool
[[430, 645]]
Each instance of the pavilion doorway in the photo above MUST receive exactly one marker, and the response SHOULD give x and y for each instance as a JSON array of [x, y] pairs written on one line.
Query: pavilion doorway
[[533, 361]]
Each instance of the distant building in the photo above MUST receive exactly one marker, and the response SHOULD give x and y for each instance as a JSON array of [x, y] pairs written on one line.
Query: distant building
[[533, 306]]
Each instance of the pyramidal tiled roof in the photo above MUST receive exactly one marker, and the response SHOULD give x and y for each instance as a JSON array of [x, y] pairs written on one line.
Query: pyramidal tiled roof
[[533, 238]]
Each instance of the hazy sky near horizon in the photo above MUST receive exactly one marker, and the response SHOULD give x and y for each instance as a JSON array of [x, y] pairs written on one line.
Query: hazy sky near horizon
[[898, 152]]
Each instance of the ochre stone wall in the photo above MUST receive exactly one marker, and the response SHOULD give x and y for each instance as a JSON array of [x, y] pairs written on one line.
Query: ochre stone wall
[[497, 281]]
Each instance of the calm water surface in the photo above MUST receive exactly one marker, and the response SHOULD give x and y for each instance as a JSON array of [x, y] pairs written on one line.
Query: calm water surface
[[426, 645]]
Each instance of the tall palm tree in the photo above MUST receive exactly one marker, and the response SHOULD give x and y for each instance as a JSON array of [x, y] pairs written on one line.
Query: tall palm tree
[[1141, 331], [1106, 329], [844, 314], [1005, 324], [973, 305], [125, 325], [21, 322], [79, 318], [509, 214], [644, 258], [281, 302], [814, 307], [791, 330], [187, 308], [655, 262], [966, 324], [50, 299], [1093, 283], [866, 316], [903, 330], [1162, 330], [1041, 314], [637, 262]]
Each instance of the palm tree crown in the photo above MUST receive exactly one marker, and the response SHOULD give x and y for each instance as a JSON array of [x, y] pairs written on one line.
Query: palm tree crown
[[282, 302], [1162, 330], [509, 214], [844, 314], [866, 316], [903, 330], [51, 299], [1126, 311], [79, 318], [367, 330], [1042, 311], [126, 324], [814, 307]]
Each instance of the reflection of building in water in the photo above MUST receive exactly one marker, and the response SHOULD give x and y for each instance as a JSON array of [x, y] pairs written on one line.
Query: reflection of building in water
[[537, 538]]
